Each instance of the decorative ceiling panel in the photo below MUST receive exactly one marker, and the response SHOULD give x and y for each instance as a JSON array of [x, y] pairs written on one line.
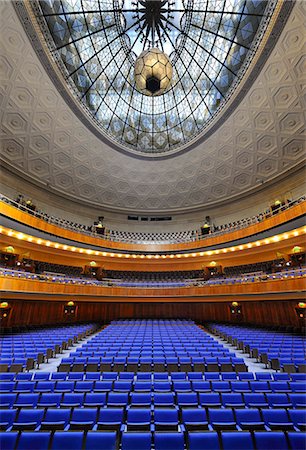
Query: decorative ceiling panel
[[259, 143], [96, 43]]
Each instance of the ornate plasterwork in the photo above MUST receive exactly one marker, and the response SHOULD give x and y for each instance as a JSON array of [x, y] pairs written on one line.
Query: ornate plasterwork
[[260, 142]]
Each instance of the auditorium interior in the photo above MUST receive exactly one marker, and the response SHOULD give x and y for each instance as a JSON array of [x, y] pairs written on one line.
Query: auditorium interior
[[152, 260]]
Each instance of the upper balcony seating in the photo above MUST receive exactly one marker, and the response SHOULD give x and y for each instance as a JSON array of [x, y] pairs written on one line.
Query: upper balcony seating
[[148, 237]]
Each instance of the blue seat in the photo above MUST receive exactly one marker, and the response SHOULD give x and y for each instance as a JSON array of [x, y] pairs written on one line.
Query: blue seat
[[56, 419], [166, 419], [103, 386], [279, 386], [7, 400], [230, 376], [7, 386], [297, 386], [194, 419], [7, 417], [297, 400], [117, 399], [28, 419], [136, 441], [187, 399], [278, 401], [84, 386], [255, 400], [64, 386], [94, 376], [94, 399], [182, 386], [240, 386], [49, 400], [109, 376], [105, 441], [71, 400], [233, 400], [210, 400], [162, 386], [142, 386], [163, 399], [23, 376], [272, 440], [68, 441], [237, 441], [169, 441], [297, 440], [41, 376], [75, 376], [26, 400], [249, 419], [24, 386], [122, 386], [222, 419], [259, 386], [201, 386], [220, 386], [59, 376], [212, 376], [243, 376], [44, 386], [140, 399], [277, 419], [263, 376], [110, 419], [8, 440], [83, 419], [281, 376], [7, 376], [34, 441], [201, 441], [298, 417], [138, 419]]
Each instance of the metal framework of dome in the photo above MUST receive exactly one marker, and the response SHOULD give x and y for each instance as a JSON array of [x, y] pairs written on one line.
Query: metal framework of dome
[[210, 44]]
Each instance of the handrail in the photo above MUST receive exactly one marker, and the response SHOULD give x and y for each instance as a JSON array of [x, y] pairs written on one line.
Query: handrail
[[109, 236]]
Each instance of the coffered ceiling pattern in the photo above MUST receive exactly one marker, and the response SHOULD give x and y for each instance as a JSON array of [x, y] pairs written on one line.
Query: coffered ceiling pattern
[[42, 139]]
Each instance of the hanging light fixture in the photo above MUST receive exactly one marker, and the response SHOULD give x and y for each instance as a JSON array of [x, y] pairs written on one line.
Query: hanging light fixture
[[153, 69]]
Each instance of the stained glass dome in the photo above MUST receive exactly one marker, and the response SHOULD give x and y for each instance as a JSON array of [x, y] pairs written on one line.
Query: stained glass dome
[[210, 44]]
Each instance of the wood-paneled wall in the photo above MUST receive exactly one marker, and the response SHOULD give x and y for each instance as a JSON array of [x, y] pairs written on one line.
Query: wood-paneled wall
[[46, 312], [23, 217]]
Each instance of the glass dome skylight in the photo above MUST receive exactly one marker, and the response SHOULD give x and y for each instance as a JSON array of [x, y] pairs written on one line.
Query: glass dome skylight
[[96, 43]]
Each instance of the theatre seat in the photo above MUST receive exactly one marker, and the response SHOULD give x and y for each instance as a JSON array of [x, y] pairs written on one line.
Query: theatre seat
[[8, 440], [271, 440], [237, 441], [34, 441], [201, 441], [67, 440], [135, 441], [169, 441]]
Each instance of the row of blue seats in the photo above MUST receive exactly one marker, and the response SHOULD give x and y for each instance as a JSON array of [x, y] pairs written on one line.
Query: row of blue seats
[[93, 440], [137, 399], [156, 419], [147, 376], [176, 385]]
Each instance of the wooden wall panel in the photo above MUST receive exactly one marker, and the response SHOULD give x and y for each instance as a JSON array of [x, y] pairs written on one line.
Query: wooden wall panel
[[46, 312], [28, 219]]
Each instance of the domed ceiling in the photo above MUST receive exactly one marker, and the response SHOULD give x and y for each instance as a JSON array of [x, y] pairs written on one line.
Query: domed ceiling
[[253, 136], [96, 44]]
